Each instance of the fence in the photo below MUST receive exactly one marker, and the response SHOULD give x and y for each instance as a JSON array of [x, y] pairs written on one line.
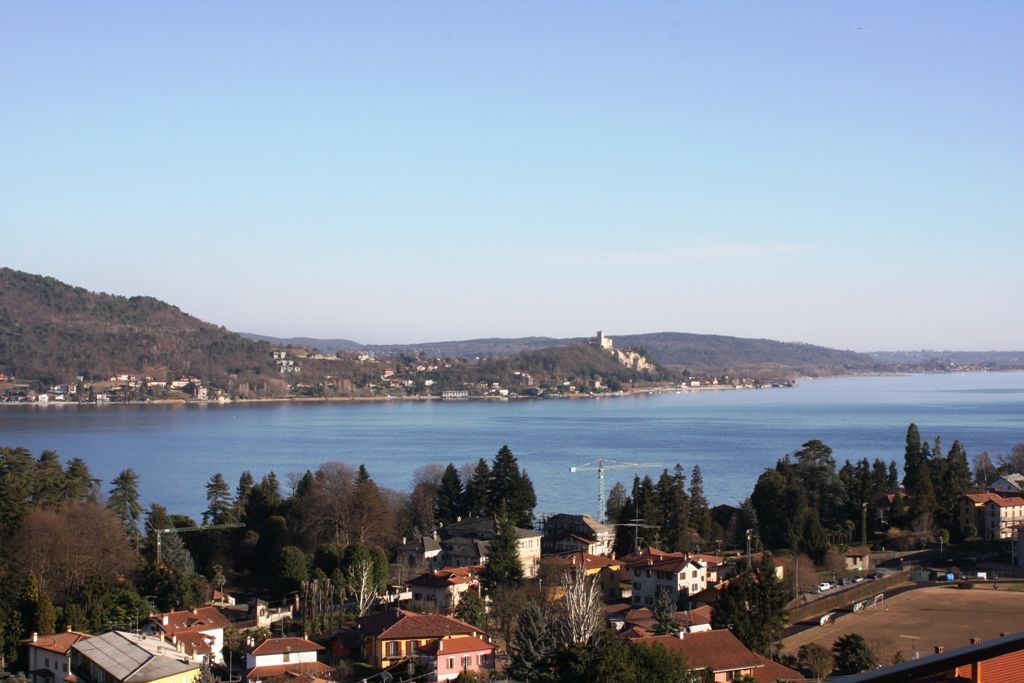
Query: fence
[[866, 590]]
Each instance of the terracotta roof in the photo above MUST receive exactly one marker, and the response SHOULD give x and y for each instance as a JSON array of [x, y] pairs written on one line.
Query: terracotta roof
[[1003, 501], [574, 559], [773, 671], [860, 551], [193, 642], [440, 578], [58, 642], [717, 650], [265, 672], [294, 677], [454, 646], [693, 617], [404, 625], [277, 646], [199, 619]]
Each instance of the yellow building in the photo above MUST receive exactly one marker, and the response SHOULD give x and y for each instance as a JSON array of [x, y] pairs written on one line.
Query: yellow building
[[396, 634]]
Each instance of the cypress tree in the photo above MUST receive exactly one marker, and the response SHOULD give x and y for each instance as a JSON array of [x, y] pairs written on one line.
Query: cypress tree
[[700, 515]]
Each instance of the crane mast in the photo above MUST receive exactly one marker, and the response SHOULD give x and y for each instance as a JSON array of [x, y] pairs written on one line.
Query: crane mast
[[186, 529], [601, 465]]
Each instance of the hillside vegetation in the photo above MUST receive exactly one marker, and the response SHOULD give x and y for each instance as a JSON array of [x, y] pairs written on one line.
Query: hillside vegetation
[[53, 332]]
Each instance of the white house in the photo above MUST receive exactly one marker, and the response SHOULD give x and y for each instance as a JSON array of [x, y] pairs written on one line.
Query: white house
[[200, 631], [276, 656], [681, 578], [49, 657]]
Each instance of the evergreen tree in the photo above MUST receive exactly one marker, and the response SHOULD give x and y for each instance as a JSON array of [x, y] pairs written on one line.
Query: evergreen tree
[[753, 607], [956, 482], [79, 484], [664, 613], [478, 494], [813, 542], [676, 530], [893, 479], [616, 501], [913, 456], [533, 646], [502, 566], [245, 484], [124, 501], [48, 481], [700, 515], [511, 491], [450, 496], [472, 609], [219, 503], [852, 655]]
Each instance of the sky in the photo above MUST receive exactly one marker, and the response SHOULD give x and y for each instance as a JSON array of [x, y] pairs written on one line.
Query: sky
[[845, 174]]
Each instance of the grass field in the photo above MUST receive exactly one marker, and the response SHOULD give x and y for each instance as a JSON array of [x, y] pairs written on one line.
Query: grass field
[[944, 616]]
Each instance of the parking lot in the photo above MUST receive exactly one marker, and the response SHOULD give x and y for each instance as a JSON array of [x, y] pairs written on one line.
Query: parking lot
[[941, 615]]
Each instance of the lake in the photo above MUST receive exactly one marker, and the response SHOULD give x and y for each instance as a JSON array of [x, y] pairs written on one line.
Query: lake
[[732, 434]]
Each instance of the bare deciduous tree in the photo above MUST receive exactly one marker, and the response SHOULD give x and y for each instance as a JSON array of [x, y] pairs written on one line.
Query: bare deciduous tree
[[361, 581], [581, 606]]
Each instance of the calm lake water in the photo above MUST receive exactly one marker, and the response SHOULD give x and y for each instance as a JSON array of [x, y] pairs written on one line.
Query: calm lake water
[[732, 435]]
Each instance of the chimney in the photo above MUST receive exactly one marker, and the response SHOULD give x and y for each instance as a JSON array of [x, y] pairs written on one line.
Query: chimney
[[939, 649], [975, 641], [164, 619], [440, 645], [174, 638], [69, 628], [403, 540], [195, 610], [35, 636]]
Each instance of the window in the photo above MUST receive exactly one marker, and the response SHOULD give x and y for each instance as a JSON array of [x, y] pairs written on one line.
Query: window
[[636, 585], [466, 662], [394, 648], [636, 572], [47, 664], [287, 657], [451, 663], [648, 600]]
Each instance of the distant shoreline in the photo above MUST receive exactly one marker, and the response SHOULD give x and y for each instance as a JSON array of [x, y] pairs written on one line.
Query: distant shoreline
[[479, 399]]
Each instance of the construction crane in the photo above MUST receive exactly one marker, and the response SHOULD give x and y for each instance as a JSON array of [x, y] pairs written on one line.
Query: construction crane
[[601, 466], [186, 529]]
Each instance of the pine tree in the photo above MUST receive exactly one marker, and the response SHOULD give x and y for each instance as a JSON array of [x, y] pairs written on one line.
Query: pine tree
[[676, 531], [124, 501], [852, 654], [616, 501], [664, 613], [511, 490], [477, 494], [753, 607], [533, 646], [79, 484], [218, 498], [502, 567], [450, 496]]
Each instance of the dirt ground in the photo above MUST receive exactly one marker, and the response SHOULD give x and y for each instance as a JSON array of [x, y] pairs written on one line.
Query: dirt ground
[[944, 616]]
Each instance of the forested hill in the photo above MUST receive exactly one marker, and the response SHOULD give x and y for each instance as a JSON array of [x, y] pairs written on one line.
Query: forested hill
[[717, 352], [53, 331]]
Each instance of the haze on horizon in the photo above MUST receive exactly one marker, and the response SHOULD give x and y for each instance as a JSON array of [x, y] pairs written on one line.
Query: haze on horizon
[[844, 175]]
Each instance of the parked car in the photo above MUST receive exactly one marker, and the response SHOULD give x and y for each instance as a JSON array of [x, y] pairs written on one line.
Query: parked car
[[824, 586], [858, 579]]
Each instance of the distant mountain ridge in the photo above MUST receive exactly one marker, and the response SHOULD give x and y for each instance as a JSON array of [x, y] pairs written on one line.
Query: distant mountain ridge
[[697, 352]]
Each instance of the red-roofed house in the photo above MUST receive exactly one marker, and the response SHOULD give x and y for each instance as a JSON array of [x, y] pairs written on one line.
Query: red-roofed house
[[681, 578], [441, 590], [189, 627], [49, 657], [723, 654], [276, 656], [393, 635], [993, 515], [448, 657]]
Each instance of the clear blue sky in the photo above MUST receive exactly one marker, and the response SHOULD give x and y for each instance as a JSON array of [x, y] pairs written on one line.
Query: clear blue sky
[[848, 174]]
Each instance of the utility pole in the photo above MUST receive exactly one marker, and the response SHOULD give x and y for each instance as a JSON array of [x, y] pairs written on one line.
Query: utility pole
[[864, 534], [749, 563]]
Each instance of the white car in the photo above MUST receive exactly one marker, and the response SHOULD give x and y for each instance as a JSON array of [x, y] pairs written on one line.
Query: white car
[[824, 586]]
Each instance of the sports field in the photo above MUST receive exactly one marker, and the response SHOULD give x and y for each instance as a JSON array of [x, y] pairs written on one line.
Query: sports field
[[945, 616]]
